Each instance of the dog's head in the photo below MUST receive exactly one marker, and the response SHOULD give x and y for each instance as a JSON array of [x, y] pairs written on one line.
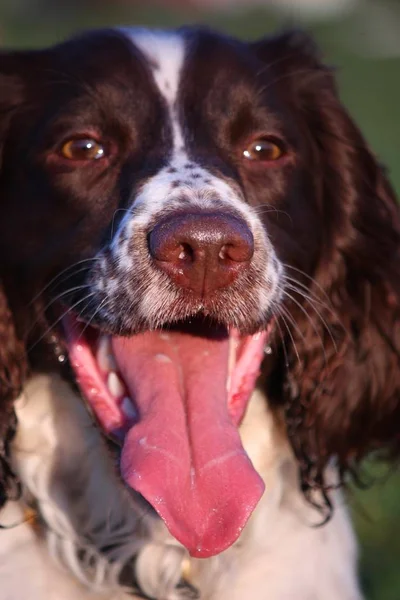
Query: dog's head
[[172, 204]]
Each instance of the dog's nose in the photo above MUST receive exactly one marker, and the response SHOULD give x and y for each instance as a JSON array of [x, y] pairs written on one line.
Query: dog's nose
[[202, 252]]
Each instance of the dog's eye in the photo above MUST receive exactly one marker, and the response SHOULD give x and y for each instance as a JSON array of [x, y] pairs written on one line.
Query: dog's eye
[[264, 150], [82, 149]]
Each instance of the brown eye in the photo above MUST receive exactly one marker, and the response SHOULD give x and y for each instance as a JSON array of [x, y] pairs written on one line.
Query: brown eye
[[82, 149], [263, 150]]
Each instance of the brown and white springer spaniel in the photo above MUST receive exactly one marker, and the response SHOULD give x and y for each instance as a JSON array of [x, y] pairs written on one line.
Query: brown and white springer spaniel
[[199, 318]]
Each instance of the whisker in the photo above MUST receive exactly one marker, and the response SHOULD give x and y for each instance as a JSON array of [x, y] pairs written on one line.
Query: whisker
[[303, 310], [285, 353], [54, 279], [263, 210], [307, 290], [291, 320], [292, 285], [104, 302], [68, 275], [281, 314], [312, 300], [314, 281], [43, 310], [60, 319]]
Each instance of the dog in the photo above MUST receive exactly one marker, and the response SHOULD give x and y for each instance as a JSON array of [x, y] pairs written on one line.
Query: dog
[[199, 318]]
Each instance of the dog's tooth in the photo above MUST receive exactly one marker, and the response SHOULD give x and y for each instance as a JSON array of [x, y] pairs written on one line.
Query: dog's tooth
[[128, 408], [105, 358], [115, 385]]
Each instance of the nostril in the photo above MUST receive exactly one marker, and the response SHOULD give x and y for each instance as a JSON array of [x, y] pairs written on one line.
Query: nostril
[[238, 251], [186, 253], [222, 253]]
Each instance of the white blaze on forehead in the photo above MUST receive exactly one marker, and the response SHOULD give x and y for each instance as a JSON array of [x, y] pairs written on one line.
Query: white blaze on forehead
[[165, 52]]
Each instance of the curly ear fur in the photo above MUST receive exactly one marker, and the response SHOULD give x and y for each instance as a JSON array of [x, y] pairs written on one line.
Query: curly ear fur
[[13, 360], [341, 389], [13, 368]]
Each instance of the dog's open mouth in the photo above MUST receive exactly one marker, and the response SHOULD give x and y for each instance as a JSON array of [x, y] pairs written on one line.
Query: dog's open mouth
[[174, 399]]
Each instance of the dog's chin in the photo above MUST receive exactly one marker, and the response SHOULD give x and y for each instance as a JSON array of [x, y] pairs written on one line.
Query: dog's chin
[[173, 400]]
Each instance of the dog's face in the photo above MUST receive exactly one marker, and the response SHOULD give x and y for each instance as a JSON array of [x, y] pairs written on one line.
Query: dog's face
[[118, 131], [150, 163], [157, 187]]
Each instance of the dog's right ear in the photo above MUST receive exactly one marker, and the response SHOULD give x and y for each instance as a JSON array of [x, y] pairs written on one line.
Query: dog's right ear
[[13, 361]]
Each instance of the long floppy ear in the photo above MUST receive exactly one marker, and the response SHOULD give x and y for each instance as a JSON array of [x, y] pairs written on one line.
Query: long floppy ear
[[13, 360], [341, 389], [13, 368]]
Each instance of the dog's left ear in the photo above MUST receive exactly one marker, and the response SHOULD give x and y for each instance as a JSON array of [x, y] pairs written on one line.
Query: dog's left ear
[[341, 389], [13, 360]]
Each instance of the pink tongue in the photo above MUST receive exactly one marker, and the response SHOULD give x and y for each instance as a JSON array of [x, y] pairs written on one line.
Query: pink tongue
[[185, 455]]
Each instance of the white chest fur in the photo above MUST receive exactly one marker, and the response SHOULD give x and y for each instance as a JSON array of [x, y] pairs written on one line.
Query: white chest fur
[[65, 466]]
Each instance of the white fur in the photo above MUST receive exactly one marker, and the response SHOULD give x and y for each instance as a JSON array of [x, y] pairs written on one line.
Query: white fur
[[63, 463], [165, 52], [198, 189]]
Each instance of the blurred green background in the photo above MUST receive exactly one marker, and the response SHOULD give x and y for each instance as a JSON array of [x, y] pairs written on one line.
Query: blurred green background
[[360, 37]]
